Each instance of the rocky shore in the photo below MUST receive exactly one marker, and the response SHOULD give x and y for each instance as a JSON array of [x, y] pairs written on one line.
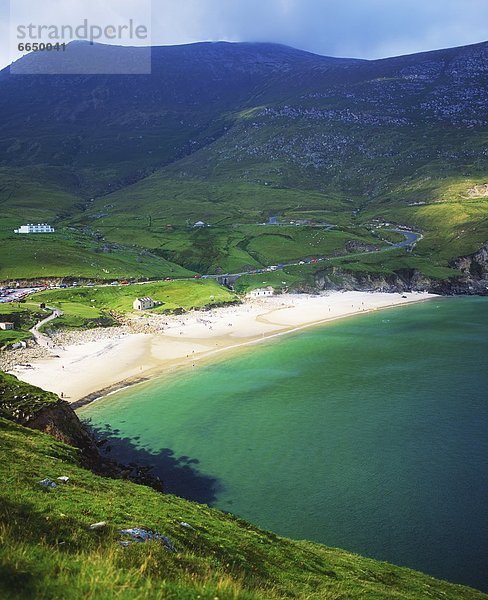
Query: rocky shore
[[62, 338], [23, 356]]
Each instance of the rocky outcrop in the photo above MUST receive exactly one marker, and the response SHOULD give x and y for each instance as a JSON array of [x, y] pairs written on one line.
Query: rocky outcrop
[[474, 267], [35, 408], [61, 421], [473, 278], [478, 191], [401, 281], [353, 246]]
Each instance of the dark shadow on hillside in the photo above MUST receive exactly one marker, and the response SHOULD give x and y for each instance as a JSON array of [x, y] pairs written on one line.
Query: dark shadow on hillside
[[178, 474], [26, 522]]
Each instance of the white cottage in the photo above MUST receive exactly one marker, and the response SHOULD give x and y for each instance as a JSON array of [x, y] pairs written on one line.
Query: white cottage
[[261, 293], [143, 303]]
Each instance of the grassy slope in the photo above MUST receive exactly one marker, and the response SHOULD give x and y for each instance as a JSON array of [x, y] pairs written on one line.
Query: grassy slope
[[452, 226], [49, 194], [18, 398], [76, 254], [380, 264], [88, 304], [178, 200], [47, 550], [24, 316], [453, 223]]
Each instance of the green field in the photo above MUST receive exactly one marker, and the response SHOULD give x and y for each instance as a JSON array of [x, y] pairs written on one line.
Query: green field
[[231, 249], [93, 306], [99, 306], [75, 254], [452, 227], [47, 549], [144, 231], [24, 316]]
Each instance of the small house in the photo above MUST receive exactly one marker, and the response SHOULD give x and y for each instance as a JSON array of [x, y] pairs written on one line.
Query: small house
[[261, 293], [199, 224], [6, 326], [143, 303]]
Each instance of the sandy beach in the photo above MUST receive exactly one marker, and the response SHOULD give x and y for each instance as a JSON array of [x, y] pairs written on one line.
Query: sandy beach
[[93, 363]]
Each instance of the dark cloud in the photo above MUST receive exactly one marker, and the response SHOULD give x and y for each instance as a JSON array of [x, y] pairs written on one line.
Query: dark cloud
[[355, 28], [359, 28]]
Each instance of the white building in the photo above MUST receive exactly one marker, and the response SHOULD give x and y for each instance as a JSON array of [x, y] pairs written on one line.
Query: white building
[[143, 303], [6, 326], [199, 224], [31, 228], [261, 293]]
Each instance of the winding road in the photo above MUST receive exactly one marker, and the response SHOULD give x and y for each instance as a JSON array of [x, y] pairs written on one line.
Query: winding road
[[411, 238], [42, 339]]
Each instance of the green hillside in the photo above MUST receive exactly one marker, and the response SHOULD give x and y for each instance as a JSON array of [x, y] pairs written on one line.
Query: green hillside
[[24, 316], [232, 134], [48, 550], [93, 306]]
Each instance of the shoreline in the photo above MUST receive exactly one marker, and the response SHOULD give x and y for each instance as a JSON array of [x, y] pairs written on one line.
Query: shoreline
[[93, 364]]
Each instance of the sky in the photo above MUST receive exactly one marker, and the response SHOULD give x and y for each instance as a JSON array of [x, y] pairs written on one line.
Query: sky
[[348, 28]]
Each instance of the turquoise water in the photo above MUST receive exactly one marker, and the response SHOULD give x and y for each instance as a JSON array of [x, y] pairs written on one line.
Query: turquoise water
[[368, 434]]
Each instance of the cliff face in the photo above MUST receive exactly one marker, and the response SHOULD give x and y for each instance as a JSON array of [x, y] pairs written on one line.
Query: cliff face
[[473, 278], [35, 408], [475, 270], [60, 421], [401, 281]]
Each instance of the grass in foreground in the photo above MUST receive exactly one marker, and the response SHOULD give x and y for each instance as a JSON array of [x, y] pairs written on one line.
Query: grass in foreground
[[48, 551]]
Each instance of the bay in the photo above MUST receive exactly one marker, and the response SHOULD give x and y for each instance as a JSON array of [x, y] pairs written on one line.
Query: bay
[[368, 434]]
